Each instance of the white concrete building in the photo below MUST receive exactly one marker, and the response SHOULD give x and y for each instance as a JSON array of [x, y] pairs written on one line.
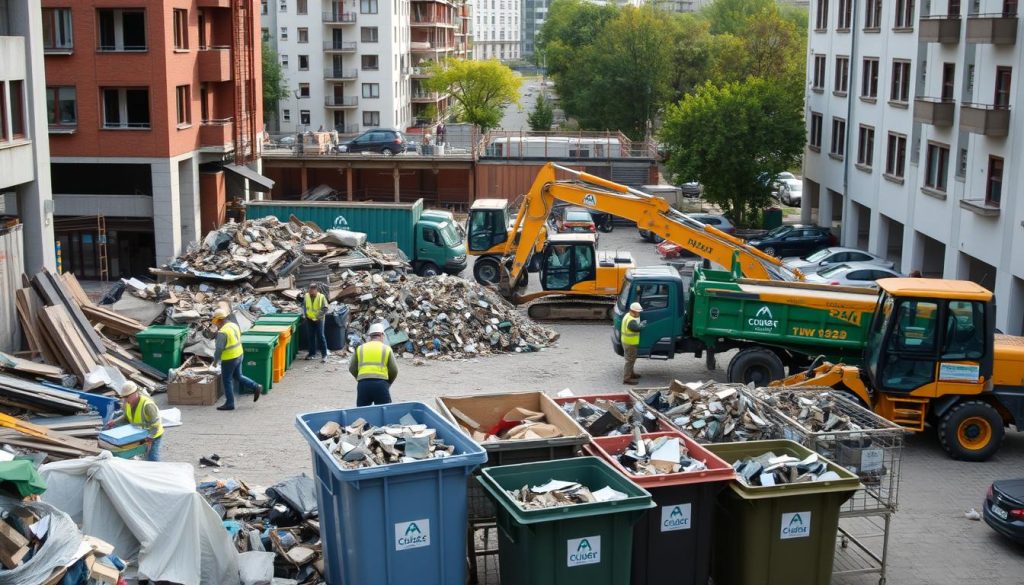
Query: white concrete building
[[912, 137], [497, 31]]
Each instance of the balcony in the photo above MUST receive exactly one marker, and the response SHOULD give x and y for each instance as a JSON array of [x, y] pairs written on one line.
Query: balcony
[[339, 18], [425, 97], [215, 64], [340, 102], [420, 72], [940, 29], [935, 111], [427, 21], [217, 135], [215, 3], [429, 47], [985, 119], [339, 47], [992, 29], [340, 74]]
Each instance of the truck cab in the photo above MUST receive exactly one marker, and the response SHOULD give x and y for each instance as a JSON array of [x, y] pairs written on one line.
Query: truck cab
[[439, 244], [662, 293]]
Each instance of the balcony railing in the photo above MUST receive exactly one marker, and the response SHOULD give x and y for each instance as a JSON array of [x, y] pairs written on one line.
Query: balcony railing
[[992, 29], [426, 96], [340, 46], [217, 133], [332, 17], [985, 119], [935, 111], [337, 101], [340, 73], [940, 29]]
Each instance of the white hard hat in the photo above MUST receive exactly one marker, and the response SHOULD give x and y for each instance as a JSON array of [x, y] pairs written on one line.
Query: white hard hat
[[221, 313], [127, 389], [636, 307], [376, 329]]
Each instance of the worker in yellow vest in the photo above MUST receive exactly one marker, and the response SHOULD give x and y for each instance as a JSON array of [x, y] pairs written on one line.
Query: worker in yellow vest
[[141, 411], [313, 317], [227, 360], [374, 368], [630, 336]]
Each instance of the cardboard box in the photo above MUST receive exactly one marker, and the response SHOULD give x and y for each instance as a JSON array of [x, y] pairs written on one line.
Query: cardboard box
[[194, 393], [488, 409]]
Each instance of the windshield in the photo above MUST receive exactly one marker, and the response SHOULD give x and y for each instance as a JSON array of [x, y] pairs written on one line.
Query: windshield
[[779, 231], [834, 270], [624, 294], [449, 235], [818, 256], [879, 323]]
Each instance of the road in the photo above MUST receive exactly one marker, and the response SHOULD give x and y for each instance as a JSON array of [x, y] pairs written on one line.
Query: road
[[932, 542], [515, 116]]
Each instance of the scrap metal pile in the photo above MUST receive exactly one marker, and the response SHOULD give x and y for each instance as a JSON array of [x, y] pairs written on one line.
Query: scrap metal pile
[[769, 469], [658, 456], [557, 493], [816, 410], [361, 444], [711, 412], [605, 418]]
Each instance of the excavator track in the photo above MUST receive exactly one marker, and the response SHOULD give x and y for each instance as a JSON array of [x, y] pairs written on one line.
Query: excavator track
[[571, 308]]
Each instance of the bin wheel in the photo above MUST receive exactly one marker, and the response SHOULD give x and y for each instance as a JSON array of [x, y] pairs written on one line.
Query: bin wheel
[[971, 431], [755, 364], [844, 542]]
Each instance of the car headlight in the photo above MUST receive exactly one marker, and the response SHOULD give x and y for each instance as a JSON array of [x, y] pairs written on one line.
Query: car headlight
[[343, 148], [459, 258]]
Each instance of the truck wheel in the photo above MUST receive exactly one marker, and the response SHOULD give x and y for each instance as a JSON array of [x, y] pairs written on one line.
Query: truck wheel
[[486, 271], [755, 364], [971, 431], [429, 269]]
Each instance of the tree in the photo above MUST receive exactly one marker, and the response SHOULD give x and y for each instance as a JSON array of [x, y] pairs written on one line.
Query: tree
[[543, 115], [729, 138], [731, 16], [481, 89], [274, 87]]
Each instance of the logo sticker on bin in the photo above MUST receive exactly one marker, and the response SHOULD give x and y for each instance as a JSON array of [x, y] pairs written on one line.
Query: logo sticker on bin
[[584, 551], [415, 534], [871, 460], [675, 517], [796, 525]]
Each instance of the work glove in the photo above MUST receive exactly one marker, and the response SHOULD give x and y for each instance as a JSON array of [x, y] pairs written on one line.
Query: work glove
[[643, 323]]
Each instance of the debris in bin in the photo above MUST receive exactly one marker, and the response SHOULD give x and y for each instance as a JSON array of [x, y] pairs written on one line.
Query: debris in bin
[[769, 469], [814, 409], [606, 418], [361, 444], [659, 456], [711, 412], [517, 424], [558, 493]]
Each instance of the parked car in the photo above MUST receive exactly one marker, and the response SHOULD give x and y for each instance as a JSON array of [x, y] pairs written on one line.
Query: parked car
[[852, 274], [575, 220], [791, 193], [794, 240], [692, 189], [719, 221], [1003, 509], [825, 257], [386, 142]]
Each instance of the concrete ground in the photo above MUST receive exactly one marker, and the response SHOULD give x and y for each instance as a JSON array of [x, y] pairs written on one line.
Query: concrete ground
[[931, 540]]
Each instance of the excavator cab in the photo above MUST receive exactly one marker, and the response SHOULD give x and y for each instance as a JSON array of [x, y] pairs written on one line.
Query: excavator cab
[[488, 226]]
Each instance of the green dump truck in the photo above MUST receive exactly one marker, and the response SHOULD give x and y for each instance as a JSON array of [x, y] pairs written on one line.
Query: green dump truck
[[431, 238], [775, 325]]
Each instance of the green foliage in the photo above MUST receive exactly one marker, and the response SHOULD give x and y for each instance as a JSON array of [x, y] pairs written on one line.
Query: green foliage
[[731, 16], [542, 116], [481, 89], [274, 87], [730, 137]]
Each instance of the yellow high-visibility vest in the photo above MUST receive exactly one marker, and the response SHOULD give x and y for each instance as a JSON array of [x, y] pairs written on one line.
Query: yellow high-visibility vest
[[373, 361], [135, 416], [233, 347], [313, 305], [629, 337]]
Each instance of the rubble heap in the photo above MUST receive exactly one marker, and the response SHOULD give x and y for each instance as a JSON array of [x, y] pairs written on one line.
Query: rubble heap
[[815, 410], [515, 425], [769, 469], [711, 412], [658, 456], [607, 418], [557, 493], [361, 444]]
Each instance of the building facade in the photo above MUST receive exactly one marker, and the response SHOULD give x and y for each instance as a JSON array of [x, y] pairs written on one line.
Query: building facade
[[912, 130], [25, 190], [497, 29], [534, 13], [148, 105], [359, 64]]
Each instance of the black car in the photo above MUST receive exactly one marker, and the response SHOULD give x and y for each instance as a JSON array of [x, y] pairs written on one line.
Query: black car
[[1004, 508], [386, 142], [794, 240]]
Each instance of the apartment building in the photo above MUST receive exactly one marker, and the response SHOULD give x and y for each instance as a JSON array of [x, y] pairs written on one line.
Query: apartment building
[[358, 64], [534, 13], [24, 149], [912, 133], [149, 104], [496, 29]]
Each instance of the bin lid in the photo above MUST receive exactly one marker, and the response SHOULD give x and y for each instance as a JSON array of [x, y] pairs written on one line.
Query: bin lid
[[276, 327], [257, 339], [162, 332], [609, 449], [731, 452]]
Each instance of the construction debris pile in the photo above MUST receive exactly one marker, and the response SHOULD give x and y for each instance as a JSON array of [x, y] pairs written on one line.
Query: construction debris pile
[[517, 424], [769, 470], [361, 444], [557, 493], [711, 412], [658, 456], [816, 410], [607, 418]]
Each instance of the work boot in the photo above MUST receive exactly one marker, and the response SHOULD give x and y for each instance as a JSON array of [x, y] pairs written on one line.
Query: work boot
[[225, 407], [637, 376], [309, 356], [631, 381], [256, 394]]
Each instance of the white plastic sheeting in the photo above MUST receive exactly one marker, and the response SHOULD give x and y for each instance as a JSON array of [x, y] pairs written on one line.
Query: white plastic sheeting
[[59, 550], [11, 267], [150, 512]]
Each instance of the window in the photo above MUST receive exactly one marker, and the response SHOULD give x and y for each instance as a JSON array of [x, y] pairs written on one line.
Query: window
[[966, 321], [815, 138], [368, 6], [304, 117], [303, 34], [303, 62], [57, 30], [819, 73], [900, 81], [125, 108], [869, 78], [953, 8], [838, 137], [821, 16], [368, 34], [184, 102], [263, 7], [1009, 8], [948, 78], [301, 6], [371, 119], [286, 115], [845, 14], [121, 29], [370, 62], [303, 90], [180, 29], [284, 33], [896, 155], [1003, 78], [904, 14], [872, 14], [17, 100], [994, 188], [842, 81], [283, 6], [866, 146], [961, 167], [937, 167], [61, 106], [265, 34], [371, 90], [284, 61], [3, 114]]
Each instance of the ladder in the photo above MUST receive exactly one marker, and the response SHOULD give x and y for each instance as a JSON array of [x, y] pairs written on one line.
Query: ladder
[[101, 246], [243, 58]]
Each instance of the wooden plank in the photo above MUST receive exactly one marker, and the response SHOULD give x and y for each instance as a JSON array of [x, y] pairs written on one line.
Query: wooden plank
[[112, 320], [29, 305], [66, 339], [17, 364], [51, 288], [75, 288]]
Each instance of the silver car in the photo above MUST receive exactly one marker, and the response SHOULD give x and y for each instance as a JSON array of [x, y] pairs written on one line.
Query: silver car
[[861, 274], [821, 259], [791, 192]]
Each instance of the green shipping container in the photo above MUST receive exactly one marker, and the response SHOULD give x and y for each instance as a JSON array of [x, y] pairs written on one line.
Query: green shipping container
[[381, 222]]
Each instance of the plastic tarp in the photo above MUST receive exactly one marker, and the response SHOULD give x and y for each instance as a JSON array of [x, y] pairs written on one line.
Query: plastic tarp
[[346, 238], [60, 549], [11, 269], [150, 512], [298, 493]]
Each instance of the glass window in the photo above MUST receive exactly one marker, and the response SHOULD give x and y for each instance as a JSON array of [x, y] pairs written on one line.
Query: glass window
[[303, 34], [834, 270], [368, 34], [652, 296], [60, 106], [368, 6], [994, 187], [180, 29], [304, 117], [965, 325], [371, 90], [370, 62], [820, 255], [125, 108], [121, 29], [184, 105], [57, 29], [558, 267], [430, 235], [17, 98], [915, 327]]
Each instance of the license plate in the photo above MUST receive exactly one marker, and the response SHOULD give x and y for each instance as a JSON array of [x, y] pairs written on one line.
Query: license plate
[[999, 512]]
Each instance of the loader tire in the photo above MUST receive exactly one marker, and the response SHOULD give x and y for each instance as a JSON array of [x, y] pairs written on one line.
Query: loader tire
[[971, 431], [486, 270], [756, 364]]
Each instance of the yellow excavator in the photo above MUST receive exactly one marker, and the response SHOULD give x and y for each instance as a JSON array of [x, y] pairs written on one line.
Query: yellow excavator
[[577, 281], [933, 356]]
